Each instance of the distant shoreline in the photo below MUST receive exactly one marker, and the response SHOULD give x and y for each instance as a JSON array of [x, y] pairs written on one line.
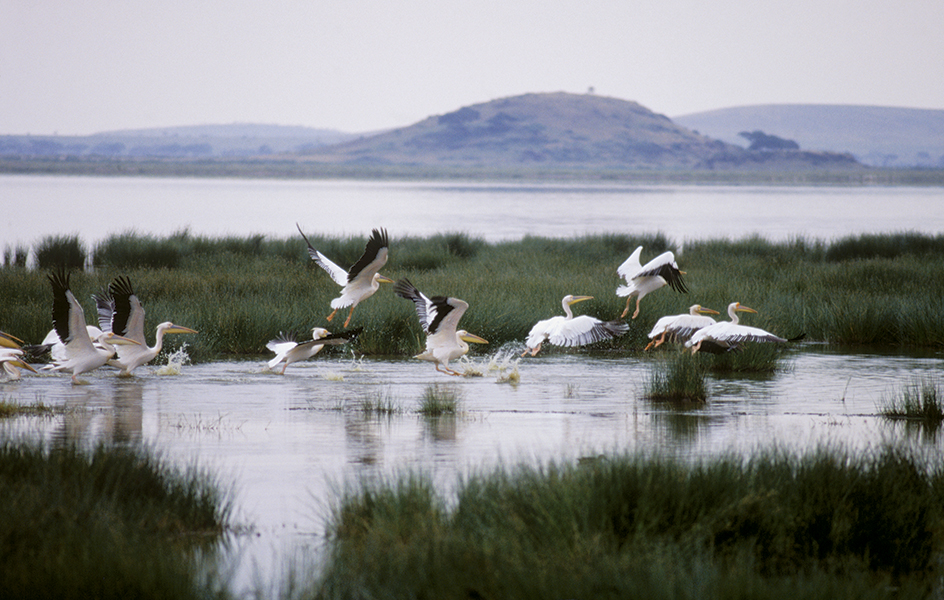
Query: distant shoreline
[[292, 168]]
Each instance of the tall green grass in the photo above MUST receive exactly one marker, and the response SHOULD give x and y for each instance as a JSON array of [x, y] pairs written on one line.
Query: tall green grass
[[922, 401], [825, 524], [679, 379], [106, 523], [240, 292]]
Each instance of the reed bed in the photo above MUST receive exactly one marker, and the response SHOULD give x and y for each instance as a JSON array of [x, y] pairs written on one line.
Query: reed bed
[[106, 523], [825, 524], [679, 379], [921, 400], [240, 292]]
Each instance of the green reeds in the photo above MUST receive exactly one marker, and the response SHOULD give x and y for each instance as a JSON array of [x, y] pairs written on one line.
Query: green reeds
[[61, 250], [681, 378], [240, 292], [439, 399], [105, 523], [825, 524], [921, 400]]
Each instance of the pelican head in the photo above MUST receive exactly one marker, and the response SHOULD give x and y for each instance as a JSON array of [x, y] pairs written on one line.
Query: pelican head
[[696, 309], [570, 299], [470, 337], [319, 332], [738, 307], [169, 327]]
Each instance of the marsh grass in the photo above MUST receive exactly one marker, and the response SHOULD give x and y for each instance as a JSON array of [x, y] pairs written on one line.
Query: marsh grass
[[240, 292], [106, 523], [9, 410], [825, 524], [921, 400], [681, 378], [382, 402], [748, 358], [61, 250], [439, 399]]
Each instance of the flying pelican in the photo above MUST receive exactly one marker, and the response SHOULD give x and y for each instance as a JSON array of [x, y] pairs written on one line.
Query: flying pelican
[[680, 328], [121, 312], [68, 318], [439, 317], [362, 280], [287, 350], [11, 359], [570, 330], [729, 334], [640, 280]]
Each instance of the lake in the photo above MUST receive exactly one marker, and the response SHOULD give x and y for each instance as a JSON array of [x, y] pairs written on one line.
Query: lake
[[96, 207], [288, 443]]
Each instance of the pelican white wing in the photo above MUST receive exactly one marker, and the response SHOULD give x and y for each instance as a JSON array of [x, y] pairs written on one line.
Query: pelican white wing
[[571, 331], [730, 334], [643, 279]]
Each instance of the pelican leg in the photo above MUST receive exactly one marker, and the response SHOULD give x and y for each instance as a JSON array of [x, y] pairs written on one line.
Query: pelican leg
[[331, 316], [349, 315], [284, 366], [446, 370], [534, 350], [636, 313], [656, 342], [695, 348], [626, 310]]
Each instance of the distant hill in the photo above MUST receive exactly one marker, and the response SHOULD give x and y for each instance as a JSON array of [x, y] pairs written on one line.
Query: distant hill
[[876, 136], [199, 141], [561, 130]]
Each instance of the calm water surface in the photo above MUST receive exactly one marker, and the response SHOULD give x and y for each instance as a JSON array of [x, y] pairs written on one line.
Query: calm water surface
[[287, 443], [95, 208]]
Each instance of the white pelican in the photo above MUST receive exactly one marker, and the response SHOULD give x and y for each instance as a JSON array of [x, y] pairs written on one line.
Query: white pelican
[[439, 317], [287, 350], [680, 328], [68, 318], [362, 280], [121, 312], [570, 330], [729, 334], [640, 280], [11, 359]]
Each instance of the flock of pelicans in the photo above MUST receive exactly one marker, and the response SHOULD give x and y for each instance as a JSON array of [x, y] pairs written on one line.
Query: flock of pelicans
[[119, 339]]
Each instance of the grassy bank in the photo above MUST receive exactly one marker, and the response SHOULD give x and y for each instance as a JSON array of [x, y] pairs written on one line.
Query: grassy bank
[[880, 290], [105, 523], [827, 524]]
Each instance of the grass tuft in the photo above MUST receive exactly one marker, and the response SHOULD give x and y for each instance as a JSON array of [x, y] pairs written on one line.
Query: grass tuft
[[921, 400], [439, 399], [679, 379]]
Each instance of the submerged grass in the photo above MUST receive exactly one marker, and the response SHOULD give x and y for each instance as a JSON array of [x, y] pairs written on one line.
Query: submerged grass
[[105, 523], [439, 400], [240, 292], [824, 524]]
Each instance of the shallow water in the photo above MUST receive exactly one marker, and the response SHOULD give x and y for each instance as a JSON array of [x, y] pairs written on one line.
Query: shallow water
[[288, 443]]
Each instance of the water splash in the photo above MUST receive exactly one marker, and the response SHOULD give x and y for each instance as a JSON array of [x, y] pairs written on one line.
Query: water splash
[[505, 362], [175, 362]]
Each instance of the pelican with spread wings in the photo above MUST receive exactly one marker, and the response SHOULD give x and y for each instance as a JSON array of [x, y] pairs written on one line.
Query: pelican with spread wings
[[120, 311], [362, 279], [81, 353], [439, 316], [728, 335], [569, 330], [643, 279], [680, 328], [288, 350]]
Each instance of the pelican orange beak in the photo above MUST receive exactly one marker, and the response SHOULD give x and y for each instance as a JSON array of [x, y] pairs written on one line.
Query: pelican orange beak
[[471, 337], [708, 311], [9, 341], [383, 278], [742, 308], [179, 329], [22, 365], [577, 299], [119, 340]]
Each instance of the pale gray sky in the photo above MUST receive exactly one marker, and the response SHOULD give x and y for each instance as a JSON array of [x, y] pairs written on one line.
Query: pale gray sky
[[360, 65]]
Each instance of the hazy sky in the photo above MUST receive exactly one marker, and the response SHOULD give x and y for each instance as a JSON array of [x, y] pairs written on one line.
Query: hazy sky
[[360, 65]]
